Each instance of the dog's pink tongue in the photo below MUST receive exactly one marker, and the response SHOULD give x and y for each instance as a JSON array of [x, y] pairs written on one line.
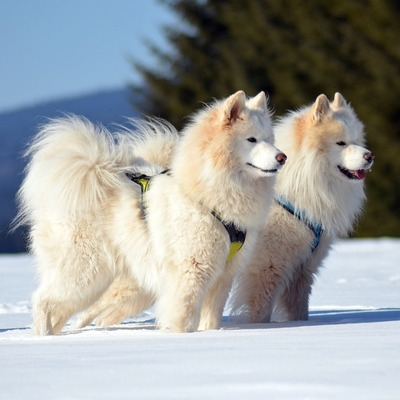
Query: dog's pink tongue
[[360, 174]]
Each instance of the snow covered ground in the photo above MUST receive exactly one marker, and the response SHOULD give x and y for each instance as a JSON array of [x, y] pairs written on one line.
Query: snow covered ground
[[349, 349]]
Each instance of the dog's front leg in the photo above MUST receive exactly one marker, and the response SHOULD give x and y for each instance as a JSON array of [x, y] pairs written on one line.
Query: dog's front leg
[[182, 295], [214, 303], [296, 296]]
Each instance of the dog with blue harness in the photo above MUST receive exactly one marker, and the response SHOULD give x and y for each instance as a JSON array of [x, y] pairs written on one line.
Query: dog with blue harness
[[319, 196]]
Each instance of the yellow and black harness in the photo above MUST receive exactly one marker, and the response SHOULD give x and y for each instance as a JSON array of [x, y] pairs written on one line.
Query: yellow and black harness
[[236, 236]]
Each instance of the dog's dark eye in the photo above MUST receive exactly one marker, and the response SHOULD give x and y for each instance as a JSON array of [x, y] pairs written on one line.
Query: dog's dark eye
[[341, 143], [252, 140]]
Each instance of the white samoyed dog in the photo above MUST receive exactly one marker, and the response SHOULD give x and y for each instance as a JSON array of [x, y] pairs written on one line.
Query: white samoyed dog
[[95, 216], [320, 194]]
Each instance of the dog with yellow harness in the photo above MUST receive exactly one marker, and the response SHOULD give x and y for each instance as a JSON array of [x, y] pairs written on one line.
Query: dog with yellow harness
[[92, 225]]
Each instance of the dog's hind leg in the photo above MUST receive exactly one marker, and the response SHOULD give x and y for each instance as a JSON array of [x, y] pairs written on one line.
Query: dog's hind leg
[[70, 284], [49, 313], [62, 313], [52, 310], [124, 298], [42, 310], [130, 306]]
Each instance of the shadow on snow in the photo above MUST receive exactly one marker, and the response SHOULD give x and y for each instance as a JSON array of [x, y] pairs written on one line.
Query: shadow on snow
[[325, 317], [317, 318]]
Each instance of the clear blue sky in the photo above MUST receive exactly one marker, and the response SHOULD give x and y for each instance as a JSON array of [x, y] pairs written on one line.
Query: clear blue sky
[[52, 49]]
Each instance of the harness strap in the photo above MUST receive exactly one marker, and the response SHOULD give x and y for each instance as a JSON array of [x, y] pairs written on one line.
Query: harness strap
[[236, 236], [301, 216], [144, 182]]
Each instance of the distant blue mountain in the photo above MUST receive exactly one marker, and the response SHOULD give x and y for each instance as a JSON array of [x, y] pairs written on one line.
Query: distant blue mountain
[[18, 127]]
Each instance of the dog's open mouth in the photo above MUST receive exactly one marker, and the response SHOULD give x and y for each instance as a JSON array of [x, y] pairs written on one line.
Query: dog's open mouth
[[266, 171], [358, 174]]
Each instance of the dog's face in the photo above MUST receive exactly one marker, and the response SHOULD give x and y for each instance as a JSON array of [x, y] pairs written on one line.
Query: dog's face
[[340, 136], [251, 138], [226, 142]]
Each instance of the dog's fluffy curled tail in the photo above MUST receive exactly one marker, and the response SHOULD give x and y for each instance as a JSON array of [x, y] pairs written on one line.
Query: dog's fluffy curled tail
[[72, 166]]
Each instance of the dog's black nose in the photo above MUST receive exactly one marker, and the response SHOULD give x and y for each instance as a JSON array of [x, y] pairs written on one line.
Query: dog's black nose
[[281, 158], [369, 157]]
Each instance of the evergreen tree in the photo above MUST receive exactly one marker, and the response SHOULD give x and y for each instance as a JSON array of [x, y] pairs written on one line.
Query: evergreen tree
[[293, 50]]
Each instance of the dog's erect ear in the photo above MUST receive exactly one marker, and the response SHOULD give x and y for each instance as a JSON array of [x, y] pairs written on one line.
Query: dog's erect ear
[[320, 108], [338, 101], [233, 106], [259, 102]]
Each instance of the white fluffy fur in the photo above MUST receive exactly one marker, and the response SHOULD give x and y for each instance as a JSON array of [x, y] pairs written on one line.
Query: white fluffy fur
[[87, 223], [317, 140]]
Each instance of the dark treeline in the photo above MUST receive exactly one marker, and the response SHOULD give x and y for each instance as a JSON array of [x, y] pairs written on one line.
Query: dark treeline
[[293, 50]]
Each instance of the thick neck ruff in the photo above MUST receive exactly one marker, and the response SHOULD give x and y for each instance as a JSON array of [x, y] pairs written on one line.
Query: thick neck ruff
[[316, 228], [236, 236]]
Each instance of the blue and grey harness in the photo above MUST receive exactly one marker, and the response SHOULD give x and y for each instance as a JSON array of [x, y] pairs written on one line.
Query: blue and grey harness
[[236, 236], [300, 215]]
